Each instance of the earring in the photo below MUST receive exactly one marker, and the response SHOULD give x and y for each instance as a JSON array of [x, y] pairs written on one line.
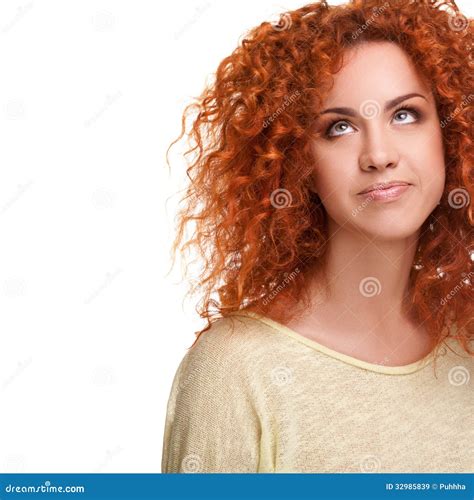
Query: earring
[[431, 222]]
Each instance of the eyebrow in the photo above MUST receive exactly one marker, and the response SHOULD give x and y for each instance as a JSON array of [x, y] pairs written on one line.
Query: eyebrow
[[388, 105]]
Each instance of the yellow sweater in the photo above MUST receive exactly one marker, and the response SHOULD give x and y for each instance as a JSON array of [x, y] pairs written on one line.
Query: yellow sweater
[[263, 398]]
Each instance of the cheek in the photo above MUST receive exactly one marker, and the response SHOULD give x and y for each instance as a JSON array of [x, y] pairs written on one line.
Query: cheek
[[429, 165], [333, 171]]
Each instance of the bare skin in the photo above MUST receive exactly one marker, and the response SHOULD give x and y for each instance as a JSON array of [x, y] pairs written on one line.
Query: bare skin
[[374, 249]]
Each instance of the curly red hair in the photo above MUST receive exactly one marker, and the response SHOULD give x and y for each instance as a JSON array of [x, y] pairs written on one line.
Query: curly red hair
[[252, 143]]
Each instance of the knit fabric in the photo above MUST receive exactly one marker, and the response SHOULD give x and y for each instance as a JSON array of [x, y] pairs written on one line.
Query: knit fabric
[[255, 396]]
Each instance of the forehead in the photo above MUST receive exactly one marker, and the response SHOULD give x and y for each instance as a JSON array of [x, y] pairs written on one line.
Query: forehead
[[375, 70]]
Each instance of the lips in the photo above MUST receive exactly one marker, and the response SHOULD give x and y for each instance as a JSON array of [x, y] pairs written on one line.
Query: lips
[[383, 186]]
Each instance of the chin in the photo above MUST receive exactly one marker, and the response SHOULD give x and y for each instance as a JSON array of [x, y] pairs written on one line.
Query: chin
[[386, 230]]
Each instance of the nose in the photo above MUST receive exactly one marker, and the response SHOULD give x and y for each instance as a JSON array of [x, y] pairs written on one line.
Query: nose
[[378, 151]]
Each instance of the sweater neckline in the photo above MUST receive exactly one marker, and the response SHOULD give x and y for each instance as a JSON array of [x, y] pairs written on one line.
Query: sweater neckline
[[389, 370]]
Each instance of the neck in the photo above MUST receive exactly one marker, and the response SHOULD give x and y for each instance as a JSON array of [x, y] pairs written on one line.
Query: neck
[[366, 280]]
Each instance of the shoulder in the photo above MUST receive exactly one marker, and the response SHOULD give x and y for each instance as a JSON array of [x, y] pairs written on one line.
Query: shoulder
[[214, 405], [233, 351], [234, 337]]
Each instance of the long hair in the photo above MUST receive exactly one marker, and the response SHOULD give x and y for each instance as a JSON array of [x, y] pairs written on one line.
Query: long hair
[[258, 228]]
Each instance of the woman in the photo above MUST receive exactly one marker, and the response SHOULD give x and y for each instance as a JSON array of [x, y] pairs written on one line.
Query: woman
[[332, 191]]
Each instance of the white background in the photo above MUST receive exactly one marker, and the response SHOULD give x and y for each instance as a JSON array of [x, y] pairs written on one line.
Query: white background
[[91, 328]]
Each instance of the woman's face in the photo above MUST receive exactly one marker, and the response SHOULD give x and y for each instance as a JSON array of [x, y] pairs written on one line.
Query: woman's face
[[368, 144]]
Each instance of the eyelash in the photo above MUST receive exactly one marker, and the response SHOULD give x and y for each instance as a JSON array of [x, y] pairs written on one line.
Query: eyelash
[[412, 110]]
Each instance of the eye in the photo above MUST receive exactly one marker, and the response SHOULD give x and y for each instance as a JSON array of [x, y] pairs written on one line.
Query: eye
[[401, 112], [333, 125]]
